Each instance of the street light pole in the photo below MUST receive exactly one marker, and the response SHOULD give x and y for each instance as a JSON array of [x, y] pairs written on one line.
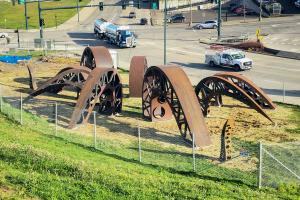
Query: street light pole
[[219, 19], [165, 33], [40, 17], [244, 10], [191, 14], [260, 10], [26, 18], [77, 10]]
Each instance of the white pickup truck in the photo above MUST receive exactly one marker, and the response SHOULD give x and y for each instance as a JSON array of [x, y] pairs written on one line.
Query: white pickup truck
[[229, 58]]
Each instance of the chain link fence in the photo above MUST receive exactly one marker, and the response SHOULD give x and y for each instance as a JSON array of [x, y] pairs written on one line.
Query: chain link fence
[[279, 165]]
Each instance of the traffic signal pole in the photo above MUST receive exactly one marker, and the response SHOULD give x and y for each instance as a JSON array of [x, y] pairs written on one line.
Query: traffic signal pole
[[26, 18], [40, 19], [165, 33]]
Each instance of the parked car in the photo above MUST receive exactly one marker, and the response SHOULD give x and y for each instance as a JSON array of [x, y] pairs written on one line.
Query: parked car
[[178, 18], [132, 15], [3, 35], [240, 11], [207, 24], [143, 21]]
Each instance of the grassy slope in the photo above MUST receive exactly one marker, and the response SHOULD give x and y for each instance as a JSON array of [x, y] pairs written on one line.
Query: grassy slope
[[37, 165], [15, 15]]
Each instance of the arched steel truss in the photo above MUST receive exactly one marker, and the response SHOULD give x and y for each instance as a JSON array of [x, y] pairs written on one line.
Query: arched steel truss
[[172, 91], [138, 67], [70, 76], [32, 79], [257, 94], [214, 86], [103, 90], [97, 56]]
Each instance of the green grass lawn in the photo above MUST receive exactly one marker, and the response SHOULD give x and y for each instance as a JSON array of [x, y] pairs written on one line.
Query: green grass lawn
[[13, 17], [37, 164]]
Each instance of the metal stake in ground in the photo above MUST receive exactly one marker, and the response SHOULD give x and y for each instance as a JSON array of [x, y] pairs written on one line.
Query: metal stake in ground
[[1, 106], [140, 147], [95, 135]]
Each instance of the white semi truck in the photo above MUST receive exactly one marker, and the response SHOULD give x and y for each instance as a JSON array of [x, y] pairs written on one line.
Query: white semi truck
[[118, 35], [229, 58]]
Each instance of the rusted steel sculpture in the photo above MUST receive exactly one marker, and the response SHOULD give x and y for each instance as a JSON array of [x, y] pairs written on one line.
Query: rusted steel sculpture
[[70, 76], [138, 67], [97, 56], [226, 144], [103, 89], [170, 85], [257, 94], [214, 86], [32, 80]]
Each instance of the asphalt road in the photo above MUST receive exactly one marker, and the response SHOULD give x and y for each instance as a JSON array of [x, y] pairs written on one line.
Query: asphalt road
[[271, 73]]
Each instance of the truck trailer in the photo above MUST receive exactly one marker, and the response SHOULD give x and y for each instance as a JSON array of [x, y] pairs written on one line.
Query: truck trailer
[[114, 34]]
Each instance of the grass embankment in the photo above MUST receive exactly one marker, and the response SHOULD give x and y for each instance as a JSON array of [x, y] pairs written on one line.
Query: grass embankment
[[13, 17], [36, 164]]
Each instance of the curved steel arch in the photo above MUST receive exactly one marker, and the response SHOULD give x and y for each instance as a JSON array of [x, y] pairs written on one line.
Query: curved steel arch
[[96, 56], [138, 67], [255, 92], [215, 86], [170, 85], [32, 79], [103, 88], [69, 76]]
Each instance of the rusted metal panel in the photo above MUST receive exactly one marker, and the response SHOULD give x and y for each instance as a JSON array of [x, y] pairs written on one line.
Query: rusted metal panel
[[170, 84], [103, 88], [138, 66], [32, 79], [69, 76], [213, 86], [96, 56], [255, 92]]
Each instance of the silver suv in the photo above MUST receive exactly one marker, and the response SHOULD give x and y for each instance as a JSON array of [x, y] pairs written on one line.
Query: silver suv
[[207, 24]]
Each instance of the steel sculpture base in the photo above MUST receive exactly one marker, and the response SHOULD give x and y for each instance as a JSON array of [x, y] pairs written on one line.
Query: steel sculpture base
[[138, 67]]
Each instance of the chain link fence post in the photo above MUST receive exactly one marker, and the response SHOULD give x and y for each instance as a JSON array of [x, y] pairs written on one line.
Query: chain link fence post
[[1, 104], [139, 143], [194, 157], [56, 122], [95, 135], [283, 92], [260, 165], [21, 108]]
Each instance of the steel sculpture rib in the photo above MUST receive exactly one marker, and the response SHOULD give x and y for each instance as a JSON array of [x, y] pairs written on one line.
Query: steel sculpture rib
[[170, 84], [103, 88], [70, 76], [138, 66], [255, 92], [32, 79], [97, 56], [213, 86]]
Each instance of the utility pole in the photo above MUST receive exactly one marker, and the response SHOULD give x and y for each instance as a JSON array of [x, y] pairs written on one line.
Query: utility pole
[[40, 22], [191, 14], [219, 18], [165, 33], [244, 2], [260, 10], [77, 10], [26, 18]]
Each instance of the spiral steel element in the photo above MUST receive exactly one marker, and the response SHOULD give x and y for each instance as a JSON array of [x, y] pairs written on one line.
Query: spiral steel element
[[255, 92], [214, 86], [97, 56], [70, 76], [171, 89], [226, 144], [103, 90], [138, 67]]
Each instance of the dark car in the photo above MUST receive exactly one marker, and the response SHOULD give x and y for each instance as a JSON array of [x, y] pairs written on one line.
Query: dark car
[[240, 11], [178, 18], [144, 21]]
